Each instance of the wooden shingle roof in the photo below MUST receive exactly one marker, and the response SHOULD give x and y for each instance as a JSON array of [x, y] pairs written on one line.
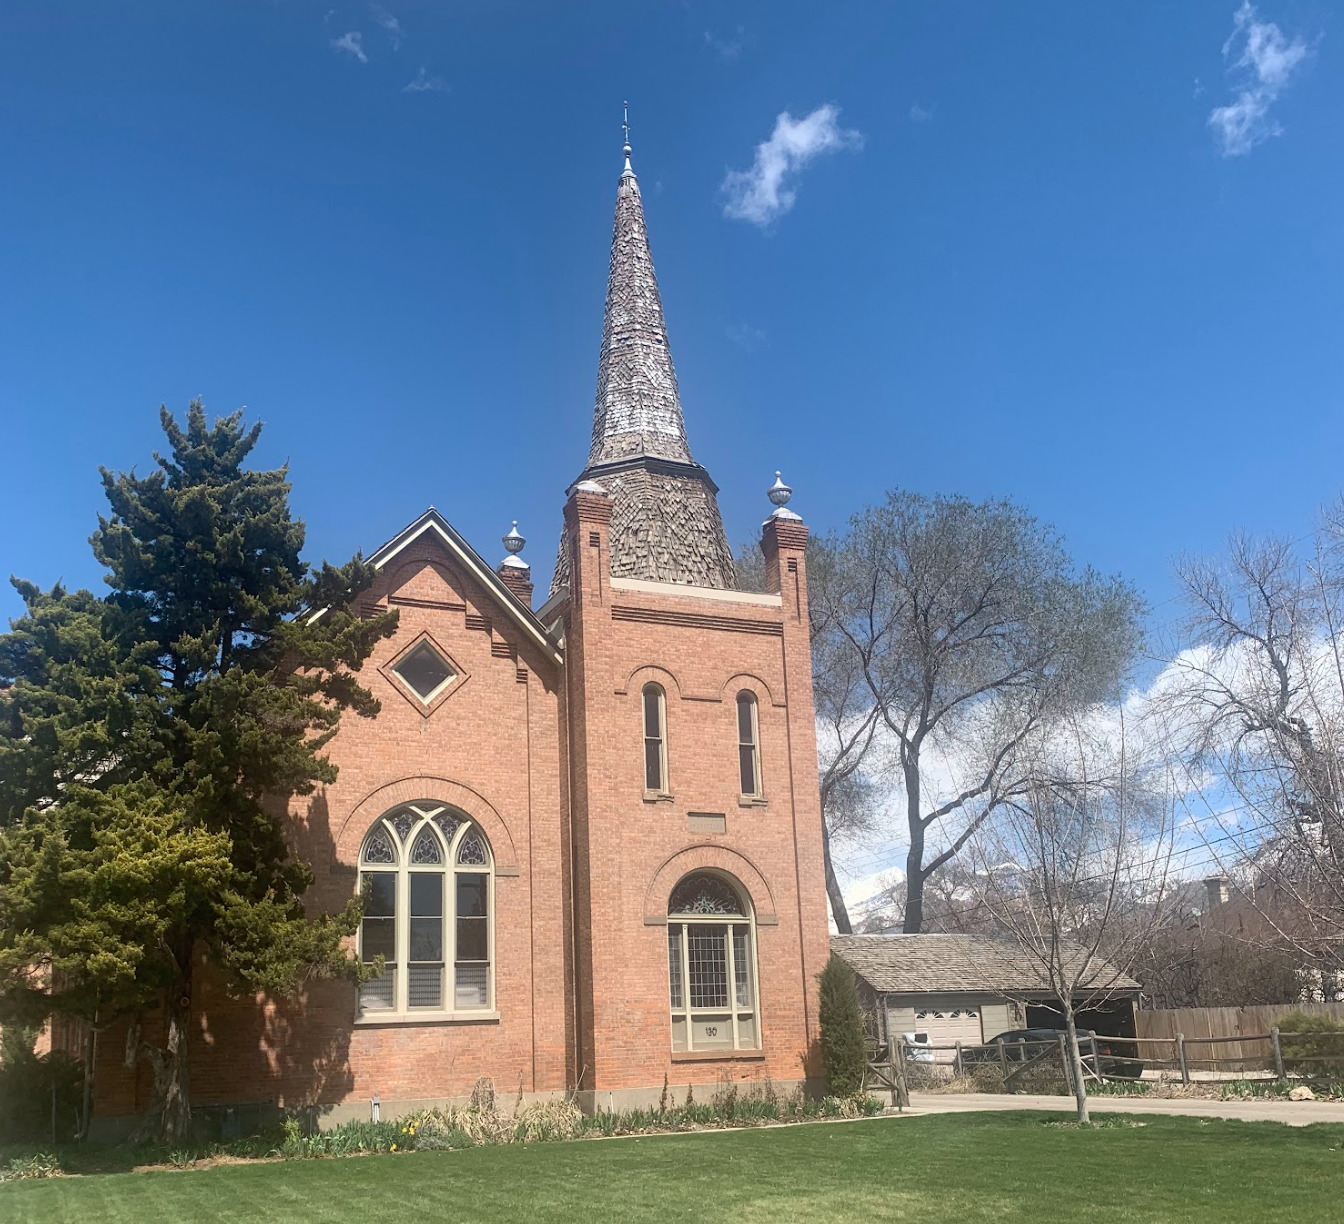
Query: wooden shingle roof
[[951, 964]]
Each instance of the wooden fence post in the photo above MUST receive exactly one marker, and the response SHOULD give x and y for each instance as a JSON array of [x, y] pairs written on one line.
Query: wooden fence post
[[1003, 1060], [1065, 1063], [1180, 1055], [1278, 1052], [956, 1061], [899, 1089], [1096, 1060]]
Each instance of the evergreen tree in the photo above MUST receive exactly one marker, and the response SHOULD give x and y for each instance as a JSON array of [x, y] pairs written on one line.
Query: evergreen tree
[[841, 1019], [150, 742]]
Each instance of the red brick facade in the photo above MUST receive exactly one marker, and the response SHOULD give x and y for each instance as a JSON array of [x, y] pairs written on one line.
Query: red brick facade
[[542, 749]]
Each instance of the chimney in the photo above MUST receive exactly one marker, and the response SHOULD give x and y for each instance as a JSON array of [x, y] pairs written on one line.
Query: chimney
[[516, 572], [1215, 892]]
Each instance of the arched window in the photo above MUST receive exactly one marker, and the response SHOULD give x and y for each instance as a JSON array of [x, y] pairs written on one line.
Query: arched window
[[748, 746], [430, 890], [711, 964], [655, 740]]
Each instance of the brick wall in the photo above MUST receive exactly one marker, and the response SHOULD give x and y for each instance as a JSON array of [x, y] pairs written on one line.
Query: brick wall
[[548, 761]]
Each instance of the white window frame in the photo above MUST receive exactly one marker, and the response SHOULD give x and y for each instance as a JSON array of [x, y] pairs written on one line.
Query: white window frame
[[425, 699], [422, 816], [664, 787], [756, 792], [679, 925]]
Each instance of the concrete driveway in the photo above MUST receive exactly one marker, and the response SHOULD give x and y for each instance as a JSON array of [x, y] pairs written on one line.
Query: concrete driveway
[[1290, 1113]]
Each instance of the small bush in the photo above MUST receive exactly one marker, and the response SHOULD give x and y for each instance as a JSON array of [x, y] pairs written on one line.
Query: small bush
[[1119, 1088], [1313, 1046], [27, 1083], [25, 1168], [841, 1019]]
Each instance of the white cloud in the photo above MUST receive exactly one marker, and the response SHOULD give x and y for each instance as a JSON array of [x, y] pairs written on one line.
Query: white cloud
[[745, 336], [425, 82], [1264, 62], [389, 23], [920, 114], [765, 192], [727, 49], [352, 43]]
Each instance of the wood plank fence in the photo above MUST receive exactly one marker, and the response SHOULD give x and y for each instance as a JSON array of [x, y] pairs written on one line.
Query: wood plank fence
[[1225, 1025]]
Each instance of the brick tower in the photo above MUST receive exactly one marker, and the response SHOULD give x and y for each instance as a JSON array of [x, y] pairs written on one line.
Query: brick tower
[[697, 888]]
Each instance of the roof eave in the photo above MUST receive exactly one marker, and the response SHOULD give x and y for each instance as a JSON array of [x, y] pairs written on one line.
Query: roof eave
[[433, 521]]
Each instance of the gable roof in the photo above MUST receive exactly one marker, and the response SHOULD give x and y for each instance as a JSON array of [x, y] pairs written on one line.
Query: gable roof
[[434, 524], [951, 964]]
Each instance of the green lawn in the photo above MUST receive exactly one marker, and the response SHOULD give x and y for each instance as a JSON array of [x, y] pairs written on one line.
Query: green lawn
[[1002, 1167]]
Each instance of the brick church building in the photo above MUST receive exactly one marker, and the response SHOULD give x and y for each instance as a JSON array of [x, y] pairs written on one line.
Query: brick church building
[[590, 829]]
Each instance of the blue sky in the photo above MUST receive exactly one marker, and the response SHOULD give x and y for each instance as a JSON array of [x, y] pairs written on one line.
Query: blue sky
[[1020, 257]]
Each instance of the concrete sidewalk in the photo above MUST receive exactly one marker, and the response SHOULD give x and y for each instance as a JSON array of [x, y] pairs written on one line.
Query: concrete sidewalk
[[1290, 1113]]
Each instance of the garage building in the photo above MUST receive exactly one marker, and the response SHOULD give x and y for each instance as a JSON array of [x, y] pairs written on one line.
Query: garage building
[[968, 988]]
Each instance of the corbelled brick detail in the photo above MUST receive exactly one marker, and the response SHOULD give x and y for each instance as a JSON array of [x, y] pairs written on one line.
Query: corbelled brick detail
[[518, 578]]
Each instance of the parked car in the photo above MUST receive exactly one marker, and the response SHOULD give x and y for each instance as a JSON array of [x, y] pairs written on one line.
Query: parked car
[[1115, 1056]]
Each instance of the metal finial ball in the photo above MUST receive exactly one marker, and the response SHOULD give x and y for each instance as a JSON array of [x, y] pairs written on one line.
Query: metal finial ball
[[779, 493], [625, 149], [513, 541]]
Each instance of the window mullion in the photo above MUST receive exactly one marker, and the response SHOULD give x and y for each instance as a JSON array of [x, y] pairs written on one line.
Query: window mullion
[[489, 938], [732, 980], [401, 928], [450, 943], [686, 984]]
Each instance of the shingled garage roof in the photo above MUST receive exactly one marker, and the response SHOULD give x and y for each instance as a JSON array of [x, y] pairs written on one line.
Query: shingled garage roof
[[951, 964]]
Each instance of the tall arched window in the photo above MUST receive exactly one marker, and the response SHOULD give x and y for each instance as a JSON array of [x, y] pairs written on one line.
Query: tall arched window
[[711, 964], [428, 872], [655, 740], [748, 746]]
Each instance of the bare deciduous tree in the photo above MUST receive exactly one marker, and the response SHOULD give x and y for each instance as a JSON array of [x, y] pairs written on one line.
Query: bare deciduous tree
[[969, 628], [1255, 708], [1075, 866]]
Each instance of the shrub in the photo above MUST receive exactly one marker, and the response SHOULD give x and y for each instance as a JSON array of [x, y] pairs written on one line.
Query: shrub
[[27, 1084], [22, 1168], [841, 1018], [1313, 1046]]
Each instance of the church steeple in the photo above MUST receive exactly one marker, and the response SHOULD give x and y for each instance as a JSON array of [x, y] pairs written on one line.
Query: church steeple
[[638, 409], [665, 522]]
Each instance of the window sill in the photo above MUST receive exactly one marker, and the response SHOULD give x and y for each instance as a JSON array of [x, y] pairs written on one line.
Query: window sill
[[680, 1056], [658, 797], [752, 801], [389, 1019]]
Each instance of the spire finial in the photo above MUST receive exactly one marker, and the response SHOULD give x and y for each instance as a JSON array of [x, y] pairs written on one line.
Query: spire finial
[[625, 129], [513, 544]]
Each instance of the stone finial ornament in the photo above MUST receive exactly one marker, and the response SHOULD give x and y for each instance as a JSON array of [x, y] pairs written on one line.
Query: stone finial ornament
[[514, 541], [779, 494]]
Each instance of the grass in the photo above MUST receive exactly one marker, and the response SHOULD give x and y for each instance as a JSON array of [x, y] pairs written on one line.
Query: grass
[[1003, 1167]]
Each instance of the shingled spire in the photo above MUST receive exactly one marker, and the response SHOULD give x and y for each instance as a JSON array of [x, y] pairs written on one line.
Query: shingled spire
[[665, 522]]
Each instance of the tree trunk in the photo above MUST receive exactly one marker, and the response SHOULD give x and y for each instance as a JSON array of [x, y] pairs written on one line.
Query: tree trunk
[[169, 1116], [90, 1059], [839, 911], [1076, 1063], [914, 860]]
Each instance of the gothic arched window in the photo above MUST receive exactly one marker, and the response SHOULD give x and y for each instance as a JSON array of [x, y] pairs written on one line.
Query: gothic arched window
[[428, 912], [711, 966], [655, 740]]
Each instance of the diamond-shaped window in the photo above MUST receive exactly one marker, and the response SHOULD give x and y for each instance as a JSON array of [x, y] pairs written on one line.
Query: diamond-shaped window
[[425, 671]]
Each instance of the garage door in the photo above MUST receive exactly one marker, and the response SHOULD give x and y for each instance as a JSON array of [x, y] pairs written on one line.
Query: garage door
[[948, 1025]]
